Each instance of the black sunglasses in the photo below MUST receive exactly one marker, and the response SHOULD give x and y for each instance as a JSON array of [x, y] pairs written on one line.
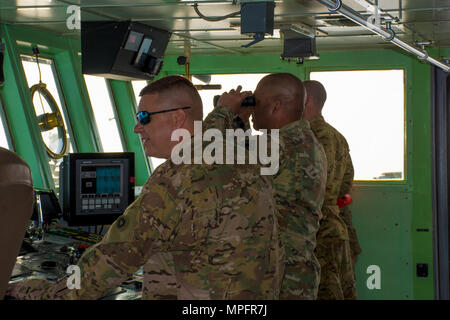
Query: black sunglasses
[[144, 117]]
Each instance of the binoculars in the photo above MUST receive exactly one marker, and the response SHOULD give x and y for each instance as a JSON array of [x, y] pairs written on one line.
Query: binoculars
[[248, 102]]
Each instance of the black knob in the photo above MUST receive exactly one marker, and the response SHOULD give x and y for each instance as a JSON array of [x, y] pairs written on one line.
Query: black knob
[[181, 60]]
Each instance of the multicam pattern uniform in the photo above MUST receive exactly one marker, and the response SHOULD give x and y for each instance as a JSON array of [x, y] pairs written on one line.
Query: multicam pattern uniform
[[217, 221], [299, 189], [337, 279], [163, 283]]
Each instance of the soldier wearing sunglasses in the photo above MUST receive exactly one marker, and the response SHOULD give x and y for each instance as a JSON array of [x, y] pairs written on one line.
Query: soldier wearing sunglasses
[[216, 221]]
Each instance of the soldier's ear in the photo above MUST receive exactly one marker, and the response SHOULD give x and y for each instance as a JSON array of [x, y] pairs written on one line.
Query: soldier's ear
[[178, 119], [275, 106], [307, 99]]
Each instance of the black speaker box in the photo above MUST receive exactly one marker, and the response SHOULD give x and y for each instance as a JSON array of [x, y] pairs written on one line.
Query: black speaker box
[[299, 47], [257, 17], [122, 50]]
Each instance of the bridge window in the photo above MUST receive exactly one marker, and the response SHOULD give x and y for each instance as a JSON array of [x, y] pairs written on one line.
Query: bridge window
[[105, 114], [227, 82], [138, 85], [5, 141], [248, 82], [57, 140], [367, 107]]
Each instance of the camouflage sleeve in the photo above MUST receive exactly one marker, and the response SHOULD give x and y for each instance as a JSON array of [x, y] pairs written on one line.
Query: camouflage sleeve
[[329, 146], [238, 123], [220, 118], [347, 181], [145, 228], [300, 188]]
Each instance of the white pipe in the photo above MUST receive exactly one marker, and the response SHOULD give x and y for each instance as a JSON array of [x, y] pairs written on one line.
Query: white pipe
[[357, 18]]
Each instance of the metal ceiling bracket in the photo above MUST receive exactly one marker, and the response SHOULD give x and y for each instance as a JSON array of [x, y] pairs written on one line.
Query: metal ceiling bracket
[[337, 6], [257, 38], [425, 57], [422, 46]]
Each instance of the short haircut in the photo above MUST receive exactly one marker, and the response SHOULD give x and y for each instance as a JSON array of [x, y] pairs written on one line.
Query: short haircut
[[316, 91], [175, 82], [289, 89]]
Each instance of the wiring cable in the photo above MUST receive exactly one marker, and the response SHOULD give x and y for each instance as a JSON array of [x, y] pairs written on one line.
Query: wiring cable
[[214, 19], [36, 53]]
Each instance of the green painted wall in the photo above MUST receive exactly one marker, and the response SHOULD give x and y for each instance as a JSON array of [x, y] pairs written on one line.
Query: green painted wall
[[20, 112], [126, 108]]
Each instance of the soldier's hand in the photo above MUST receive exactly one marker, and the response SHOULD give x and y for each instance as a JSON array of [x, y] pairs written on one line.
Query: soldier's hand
[[245, 113], [233, 99]]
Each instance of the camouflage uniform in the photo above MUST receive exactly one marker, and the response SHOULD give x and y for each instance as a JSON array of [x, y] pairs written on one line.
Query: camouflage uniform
[[333, 251], [217, 221], [299, 189], [162, 279]]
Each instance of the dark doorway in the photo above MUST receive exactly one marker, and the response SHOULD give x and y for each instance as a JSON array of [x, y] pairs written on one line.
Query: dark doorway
[[440, 144]]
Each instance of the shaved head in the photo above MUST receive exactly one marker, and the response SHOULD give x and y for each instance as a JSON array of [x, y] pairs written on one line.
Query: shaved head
[[316, 97], [280, 100], [288, 88]]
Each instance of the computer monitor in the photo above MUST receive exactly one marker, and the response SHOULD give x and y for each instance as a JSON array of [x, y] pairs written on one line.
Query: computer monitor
[[96, 188]]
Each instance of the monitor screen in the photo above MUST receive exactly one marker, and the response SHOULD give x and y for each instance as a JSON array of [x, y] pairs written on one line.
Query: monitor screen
[[100, 179], [96, 188]]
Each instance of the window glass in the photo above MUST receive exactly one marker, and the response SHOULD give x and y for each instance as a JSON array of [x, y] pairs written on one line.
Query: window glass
[[227, 81], [4, 134], [248, 82], [138, 85], [104, 114], [53, 138], [367, 107]]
